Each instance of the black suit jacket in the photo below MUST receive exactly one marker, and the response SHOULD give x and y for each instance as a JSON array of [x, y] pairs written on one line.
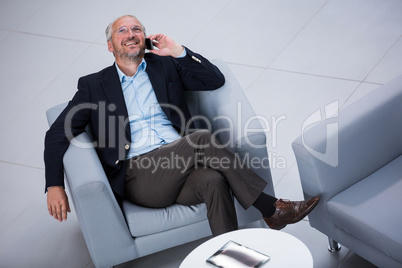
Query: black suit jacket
[[99, 107]]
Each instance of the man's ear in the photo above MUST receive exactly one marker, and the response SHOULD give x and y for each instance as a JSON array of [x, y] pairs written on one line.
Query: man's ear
[[110, 46]]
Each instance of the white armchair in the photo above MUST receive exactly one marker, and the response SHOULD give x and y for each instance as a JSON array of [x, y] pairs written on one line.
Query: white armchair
[[114, 235]]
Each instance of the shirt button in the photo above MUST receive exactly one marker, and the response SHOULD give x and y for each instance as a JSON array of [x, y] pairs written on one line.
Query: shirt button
[[127, 146], [117, 162]]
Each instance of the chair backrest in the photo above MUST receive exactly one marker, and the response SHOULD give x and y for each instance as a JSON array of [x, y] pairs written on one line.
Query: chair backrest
[[226, 108]]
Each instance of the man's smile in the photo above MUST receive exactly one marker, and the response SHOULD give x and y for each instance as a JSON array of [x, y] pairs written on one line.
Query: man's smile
[[131, 44]]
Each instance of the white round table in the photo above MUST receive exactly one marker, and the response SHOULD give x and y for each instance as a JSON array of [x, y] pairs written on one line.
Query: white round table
[[284, 249]]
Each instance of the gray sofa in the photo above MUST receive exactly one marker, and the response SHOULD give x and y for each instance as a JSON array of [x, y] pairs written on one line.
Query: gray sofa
[[354, 162], [115, 235]]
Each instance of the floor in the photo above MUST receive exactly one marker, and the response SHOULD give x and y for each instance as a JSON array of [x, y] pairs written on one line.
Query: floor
[[291, 57]]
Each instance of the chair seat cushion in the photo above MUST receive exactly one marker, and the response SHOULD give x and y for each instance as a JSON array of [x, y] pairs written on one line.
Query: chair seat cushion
[[371, 210], [144, 221]]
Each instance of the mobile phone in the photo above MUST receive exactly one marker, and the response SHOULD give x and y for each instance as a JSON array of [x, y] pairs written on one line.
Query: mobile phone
[[148, 44]]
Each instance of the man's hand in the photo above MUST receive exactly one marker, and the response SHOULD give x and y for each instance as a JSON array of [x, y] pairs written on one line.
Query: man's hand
[[57, 203], [166, 46]]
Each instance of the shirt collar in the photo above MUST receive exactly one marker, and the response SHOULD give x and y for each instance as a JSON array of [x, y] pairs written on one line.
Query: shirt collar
[[141, 67]]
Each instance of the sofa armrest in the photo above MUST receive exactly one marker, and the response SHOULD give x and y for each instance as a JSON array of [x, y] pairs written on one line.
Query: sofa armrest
[[368, 135], [338, 152]]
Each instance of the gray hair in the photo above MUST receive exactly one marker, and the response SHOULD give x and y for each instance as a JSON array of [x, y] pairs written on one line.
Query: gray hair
[[110, 26]]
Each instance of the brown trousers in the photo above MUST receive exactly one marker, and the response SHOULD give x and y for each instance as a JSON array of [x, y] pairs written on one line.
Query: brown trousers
[[193, 170]]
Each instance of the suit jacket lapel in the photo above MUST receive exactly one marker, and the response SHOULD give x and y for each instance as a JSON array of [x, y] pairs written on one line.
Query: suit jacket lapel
[[114, 93]]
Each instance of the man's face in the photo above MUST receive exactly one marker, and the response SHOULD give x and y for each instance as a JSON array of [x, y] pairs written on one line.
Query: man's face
[[128, 39]]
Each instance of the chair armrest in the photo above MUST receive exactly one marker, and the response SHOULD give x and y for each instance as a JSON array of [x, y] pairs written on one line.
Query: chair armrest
[[100, 217], [368, 135], [228, 114]]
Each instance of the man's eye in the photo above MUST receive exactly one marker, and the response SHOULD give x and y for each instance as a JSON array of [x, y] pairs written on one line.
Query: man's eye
[[122, 30]]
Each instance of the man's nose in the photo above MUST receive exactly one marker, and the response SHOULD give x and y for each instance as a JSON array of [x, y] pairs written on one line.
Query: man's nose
[[131, 33]]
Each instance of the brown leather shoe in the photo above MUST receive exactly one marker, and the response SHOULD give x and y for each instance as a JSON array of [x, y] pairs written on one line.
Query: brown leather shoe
[[288, 212]]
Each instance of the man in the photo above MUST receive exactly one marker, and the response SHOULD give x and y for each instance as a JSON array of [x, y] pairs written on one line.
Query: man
[[146, 119]]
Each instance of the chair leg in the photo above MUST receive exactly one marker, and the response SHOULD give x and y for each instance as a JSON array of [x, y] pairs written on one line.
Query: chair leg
[[333, 245]]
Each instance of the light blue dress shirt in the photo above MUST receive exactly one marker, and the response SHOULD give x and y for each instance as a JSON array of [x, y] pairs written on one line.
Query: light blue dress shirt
[[149, 125]]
